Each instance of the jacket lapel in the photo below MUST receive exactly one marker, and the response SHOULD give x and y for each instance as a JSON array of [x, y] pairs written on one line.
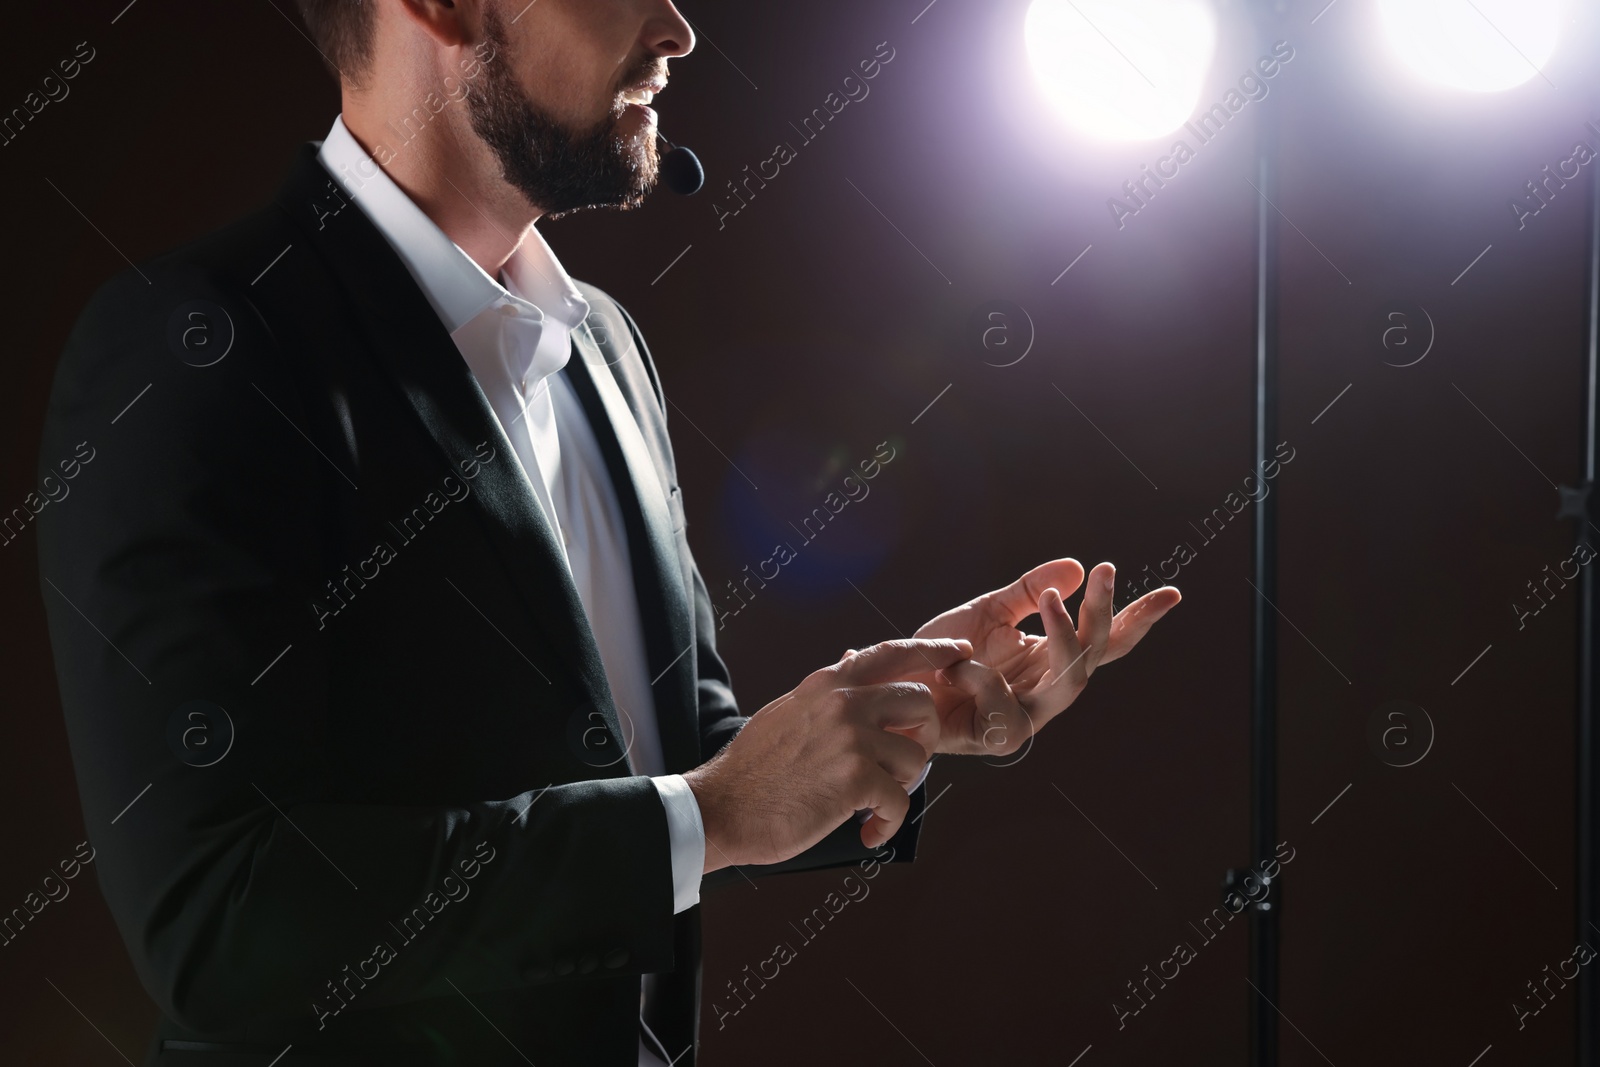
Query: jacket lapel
[[653, 547], [410, 342]]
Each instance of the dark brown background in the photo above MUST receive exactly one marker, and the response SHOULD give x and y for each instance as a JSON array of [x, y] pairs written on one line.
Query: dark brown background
[[809, 329]]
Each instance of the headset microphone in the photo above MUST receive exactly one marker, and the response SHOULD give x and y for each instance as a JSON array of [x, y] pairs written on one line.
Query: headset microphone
[[681, 169]]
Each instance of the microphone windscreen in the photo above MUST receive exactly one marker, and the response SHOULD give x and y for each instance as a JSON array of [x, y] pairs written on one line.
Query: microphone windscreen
[[682, 172]]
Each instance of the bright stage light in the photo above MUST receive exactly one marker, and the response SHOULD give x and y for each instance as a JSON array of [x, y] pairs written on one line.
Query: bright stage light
[[1119, 70], [1481, 46]]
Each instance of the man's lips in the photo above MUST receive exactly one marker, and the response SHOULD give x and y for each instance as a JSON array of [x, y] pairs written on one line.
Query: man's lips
[[638, 98], [644, 92]]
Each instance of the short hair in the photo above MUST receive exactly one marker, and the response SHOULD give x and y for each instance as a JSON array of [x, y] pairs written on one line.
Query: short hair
[[342, 31]]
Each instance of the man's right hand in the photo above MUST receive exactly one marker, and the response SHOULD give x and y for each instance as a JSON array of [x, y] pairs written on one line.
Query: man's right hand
[[851, 736]]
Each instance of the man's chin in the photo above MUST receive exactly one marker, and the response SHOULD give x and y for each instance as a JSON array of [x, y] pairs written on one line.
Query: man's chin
[[618, 200], [636, 179], [619, 168]]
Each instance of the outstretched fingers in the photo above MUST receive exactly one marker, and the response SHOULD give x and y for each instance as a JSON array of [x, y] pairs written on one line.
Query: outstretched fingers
[[1071, 656], [1095, 616], [1135, 620], [1020, 599]]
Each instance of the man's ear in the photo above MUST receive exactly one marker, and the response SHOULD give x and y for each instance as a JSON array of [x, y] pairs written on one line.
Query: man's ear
[[451, 23]]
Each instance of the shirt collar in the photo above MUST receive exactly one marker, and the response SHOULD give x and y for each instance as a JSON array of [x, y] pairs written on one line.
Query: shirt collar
[[457, 288]]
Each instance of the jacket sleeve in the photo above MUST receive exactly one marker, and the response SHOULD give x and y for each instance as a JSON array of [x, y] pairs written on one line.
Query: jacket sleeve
[[176, 576], [720, 721]]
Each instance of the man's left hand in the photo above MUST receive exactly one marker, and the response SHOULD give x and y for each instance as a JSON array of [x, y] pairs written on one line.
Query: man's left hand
[[1016, 682]]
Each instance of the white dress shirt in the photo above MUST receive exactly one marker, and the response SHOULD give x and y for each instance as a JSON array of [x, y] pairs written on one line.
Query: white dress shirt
[[516, 337]]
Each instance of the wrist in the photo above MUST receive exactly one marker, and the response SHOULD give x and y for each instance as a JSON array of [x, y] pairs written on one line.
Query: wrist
[[701, 782]]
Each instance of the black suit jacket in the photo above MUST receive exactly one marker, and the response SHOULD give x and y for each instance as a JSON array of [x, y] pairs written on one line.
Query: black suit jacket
[[343, 738]]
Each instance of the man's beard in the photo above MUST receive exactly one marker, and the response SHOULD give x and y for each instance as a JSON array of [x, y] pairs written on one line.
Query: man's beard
[[558, 169]]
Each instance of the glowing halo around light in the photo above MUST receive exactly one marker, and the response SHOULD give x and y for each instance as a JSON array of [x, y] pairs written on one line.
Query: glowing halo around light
[[1482, 46], [1118, 70]]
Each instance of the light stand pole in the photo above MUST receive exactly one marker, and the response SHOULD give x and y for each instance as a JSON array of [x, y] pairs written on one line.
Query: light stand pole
[[1579, 504], [1265, 914], [1576, 504]]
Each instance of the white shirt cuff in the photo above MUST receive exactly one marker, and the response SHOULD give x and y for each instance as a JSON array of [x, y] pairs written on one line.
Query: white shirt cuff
[[923, 777], [686, 835]]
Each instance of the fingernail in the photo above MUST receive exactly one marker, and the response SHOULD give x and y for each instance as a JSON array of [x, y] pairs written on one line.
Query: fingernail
[[1108, 579]]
